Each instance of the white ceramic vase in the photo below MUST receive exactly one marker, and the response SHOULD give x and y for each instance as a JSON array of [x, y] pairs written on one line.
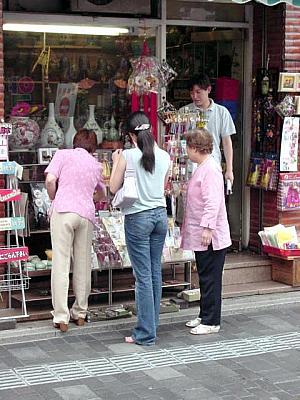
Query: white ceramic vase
[[70, 133], [52, 135], [92, 124]]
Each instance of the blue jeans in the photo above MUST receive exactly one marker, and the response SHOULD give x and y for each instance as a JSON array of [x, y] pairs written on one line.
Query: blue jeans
[[145, 234]]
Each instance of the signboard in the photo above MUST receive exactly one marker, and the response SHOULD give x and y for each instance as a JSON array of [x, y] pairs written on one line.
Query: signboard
[[9, 195], [8, 168], [13, 223], [14, 254], [3, 148]]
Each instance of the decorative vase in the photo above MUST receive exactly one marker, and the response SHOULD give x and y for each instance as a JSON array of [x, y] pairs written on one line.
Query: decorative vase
[[113, 132], [70, 133], [25, 133], [92, 124], [52, 135]]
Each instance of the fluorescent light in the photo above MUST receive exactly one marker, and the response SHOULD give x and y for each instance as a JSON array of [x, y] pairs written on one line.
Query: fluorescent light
[[71, 29]]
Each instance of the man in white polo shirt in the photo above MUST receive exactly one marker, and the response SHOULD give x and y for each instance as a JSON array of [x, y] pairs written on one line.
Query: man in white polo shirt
[[220, 124]]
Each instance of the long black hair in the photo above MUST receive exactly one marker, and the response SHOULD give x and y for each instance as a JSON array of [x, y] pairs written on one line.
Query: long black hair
[[138, 124]]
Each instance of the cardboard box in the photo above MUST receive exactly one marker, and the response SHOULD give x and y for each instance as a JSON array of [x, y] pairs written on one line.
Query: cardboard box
[[191, 295]]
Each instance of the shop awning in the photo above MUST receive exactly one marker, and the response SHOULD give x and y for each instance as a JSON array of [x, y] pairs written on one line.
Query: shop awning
[[295, 3]]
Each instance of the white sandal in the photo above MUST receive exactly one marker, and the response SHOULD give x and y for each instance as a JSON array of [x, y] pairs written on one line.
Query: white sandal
[[193, 323], [205, 329]]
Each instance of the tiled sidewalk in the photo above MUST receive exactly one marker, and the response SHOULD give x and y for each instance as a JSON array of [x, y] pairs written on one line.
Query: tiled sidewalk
[[255, 356]]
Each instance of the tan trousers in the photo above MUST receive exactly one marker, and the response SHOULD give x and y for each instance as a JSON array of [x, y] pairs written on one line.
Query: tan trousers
[[70, 235]]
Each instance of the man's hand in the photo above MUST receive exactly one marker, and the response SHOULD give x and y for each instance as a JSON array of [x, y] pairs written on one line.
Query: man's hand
[[206, 237], [229, 175]]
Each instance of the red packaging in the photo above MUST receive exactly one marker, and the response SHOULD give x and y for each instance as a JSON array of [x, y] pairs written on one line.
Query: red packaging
[[227, 89]]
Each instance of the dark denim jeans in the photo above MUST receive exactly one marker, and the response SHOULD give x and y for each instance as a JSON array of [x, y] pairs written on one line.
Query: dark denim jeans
[[145, 234]]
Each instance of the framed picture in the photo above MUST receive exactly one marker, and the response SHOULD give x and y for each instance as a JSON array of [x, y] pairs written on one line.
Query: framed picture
[[45, 155], [288, 82], [297, 89]]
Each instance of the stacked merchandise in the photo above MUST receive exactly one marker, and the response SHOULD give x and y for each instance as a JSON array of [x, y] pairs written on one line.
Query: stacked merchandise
[[227, 94], [280, 240]]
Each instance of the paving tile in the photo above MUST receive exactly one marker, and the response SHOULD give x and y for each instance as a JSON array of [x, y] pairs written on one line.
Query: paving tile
[[32, 353], [125, 348], [76, 392], [163, 373]]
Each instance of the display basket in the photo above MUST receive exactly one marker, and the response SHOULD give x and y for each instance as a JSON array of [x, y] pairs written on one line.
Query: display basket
[[281, 252], [10, 282]]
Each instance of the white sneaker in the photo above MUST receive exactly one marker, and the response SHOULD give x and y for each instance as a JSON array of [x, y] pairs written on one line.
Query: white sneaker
[[205, 329], [193, 323]]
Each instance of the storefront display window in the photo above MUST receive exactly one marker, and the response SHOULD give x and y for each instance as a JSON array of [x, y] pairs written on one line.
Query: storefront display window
[[100, 65]]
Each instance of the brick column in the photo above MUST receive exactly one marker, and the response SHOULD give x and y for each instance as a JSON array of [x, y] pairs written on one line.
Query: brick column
[[275, 37], [2, 181]]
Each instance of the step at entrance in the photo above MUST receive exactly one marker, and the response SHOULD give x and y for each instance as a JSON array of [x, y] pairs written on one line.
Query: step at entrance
[[244, 268]]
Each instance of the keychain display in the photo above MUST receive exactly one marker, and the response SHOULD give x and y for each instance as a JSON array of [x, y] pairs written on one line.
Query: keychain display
[[106, 252], [165, 110], [286, 108], [263, 171]]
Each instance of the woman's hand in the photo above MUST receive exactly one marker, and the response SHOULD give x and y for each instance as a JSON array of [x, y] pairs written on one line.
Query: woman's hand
[[206, 237], [116, 155]]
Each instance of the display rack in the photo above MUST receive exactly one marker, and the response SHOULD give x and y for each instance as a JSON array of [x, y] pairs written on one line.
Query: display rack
[[14, 279], [111, 252]]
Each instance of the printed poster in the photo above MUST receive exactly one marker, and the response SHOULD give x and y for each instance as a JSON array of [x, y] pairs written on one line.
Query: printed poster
[[289, 145], [66, 95]]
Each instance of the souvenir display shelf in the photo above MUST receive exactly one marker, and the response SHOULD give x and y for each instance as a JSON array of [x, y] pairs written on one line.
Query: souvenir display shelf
[[111, 253]]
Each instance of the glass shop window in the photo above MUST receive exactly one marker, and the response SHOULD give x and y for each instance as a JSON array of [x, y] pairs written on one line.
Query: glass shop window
[[36, 63]]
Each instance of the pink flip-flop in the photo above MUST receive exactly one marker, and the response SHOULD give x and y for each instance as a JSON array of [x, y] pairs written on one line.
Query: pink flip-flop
[[129, 339]]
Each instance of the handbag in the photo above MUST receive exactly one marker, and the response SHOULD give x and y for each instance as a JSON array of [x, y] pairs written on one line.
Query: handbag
[[127, 194]]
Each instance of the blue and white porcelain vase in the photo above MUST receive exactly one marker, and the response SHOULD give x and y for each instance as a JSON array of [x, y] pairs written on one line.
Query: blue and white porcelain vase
[[91, 124], [70, 133], [52, 135]]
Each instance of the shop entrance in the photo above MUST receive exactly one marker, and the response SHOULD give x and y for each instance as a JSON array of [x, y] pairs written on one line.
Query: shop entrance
[[217, 52]]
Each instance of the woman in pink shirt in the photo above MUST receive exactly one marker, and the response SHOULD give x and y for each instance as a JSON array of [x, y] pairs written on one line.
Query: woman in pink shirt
[[73, 177], [205, 229]]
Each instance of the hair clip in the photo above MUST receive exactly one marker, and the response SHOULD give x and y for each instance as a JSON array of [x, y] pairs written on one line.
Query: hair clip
[[142, 127]]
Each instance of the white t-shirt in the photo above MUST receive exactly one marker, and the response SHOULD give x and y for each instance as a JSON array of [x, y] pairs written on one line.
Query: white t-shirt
[[150, 187], [219, 125]]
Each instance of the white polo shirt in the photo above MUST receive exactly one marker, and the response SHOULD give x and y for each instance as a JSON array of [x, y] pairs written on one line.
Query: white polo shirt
[[219, 125]]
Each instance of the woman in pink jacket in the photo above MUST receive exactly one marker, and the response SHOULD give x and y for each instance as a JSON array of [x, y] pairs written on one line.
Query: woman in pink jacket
[[205, 229]]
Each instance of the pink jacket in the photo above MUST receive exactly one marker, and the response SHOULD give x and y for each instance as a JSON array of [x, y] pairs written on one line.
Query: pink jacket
[[205, 208]]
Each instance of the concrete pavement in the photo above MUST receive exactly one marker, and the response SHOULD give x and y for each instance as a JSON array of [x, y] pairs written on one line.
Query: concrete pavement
[[255, 357]]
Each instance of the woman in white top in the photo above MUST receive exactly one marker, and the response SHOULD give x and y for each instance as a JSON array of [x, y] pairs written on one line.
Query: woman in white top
[[145, 222]]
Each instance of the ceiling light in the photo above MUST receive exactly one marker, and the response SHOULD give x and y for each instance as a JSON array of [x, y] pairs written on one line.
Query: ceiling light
[[68, 29]]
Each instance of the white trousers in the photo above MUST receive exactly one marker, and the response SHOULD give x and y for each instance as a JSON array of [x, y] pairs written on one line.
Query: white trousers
[[71, 235]]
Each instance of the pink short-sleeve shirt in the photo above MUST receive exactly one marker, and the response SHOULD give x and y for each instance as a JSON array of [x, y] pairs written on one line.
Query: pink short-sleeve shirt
[[78, 174]]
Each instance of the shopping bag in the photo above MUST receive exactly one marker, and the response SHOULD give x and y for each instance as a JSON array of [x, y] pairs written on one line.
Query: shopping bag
[[127, 194]]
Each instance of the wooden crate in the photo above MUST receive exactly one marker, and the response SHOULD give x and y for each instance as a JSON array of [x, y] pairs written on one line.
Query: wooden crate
[[286, 270]]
